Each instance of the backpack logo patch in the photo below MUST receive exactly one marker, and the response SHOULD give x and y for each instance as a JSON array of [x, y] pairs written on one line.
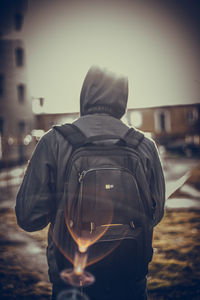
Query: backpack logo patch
[[109, 186]]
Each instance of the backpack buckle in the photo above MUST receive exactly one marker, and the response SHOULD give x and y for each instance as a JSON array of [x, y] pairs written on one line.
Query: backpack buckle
[[92, 227], [132, 225], [71, 223]]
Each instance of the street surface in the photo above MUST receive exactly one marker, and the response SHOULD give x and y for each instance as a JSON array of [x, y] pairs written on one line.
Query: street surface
[[25, 252]]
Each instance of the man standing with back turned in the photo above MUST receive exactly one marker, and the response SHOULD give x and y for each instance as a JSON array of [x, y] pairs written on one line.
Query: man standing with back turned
[[103, 102]]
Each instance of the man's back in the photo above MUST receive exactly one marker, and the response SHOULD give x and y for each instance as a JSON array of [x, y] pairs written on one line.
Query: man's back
[[103, 102]]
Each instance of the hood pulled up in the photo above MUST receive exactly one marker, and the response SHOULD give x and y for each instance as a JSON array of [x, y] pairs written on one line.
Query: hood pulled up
[[104, 92]]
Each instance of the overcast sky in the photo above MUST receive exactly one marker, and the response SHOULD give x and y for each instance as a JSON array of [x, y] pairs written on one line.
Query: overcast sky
[[155, 43]]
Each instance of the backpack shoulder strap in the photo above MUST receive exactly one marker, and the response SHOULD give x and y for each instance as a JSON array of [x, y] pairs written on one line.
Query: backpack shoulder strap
[[77, 138], [133, 137], [72, 134]]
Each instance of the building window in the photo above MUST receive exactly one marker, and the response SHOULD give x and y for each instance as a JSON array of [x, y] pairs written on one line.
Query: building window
[[1, 84], [18, 19], [19, 52], [1, 139], [192, 116], [162, 121], [22, 127], [1, 126], [136, 119], [21, 92]]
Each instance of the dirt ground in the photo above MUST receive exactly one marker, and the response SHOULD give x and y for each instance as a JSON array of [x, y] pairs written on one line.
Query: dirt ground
[[174, 272]]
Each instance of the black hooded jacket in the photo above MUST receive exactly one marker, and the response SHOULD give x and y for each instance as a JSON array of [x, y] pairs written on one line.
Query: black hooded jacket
[[104, 92], [103, 102]]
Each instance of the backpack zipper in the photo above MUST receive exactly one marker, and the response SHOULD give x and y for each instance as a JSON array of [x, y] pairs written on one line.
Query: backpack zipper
[[128, 149], [84, 172], [74, 153]]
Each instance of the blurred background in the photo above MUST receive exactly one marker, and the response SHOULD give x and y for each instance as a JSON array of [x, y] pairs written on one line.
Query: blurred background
[[46, 48]]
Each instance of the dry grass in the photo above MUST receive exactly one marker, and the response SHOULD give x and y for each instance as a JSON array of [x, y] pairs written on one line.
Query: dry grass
[[175, 270], [173, 274]]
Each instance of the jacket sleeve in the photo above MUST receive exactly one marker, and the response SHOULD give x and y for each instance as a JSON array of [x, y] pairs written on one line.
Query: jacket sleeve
[[35, 199], [157, 186]]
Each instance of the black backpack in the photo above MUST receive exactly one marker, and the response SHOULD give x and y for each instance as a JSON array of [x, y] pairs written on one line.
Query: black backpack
[[106, 198]]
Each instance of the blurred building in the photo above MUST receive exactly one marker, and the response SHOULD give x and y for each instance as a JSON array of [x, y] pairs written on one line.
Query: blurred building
[[16, 116], [164, 123], [46, 121], [175, 126]]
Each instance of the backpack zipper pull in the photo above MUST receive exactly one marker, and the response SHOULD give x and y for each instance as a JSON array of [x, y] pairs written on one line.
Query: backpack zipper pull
[[81, 175]]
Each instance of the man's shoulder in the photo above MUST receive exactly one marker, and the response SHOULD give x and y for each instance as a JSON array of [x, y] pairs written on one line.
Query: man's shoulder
[[48, 134], [148, 146], [147, 138], [48, 137]]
